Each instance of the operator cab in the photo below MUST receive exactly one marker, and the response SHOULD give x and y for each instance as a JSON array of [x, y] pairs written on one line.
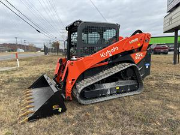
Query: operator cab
[[86, 38]]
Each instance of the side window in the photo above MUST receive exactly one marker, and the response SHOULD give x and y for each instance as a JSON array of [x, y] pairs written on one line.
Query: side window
[[98, 35], [110, 36], [74, 39], [73, 49], [89, 36], [95, 38]]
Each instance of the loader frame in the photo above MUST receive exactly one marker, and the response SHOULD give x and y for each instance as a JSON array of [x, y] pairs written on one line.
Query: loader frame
[[138, 43], [99, 66]]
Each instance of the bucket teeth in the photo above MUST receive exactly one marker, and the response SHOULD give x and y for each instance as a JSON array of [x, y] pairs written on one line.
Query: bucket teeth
[[29, 98], [38, 100], [28, 92], [27, 103], [26, 113], [27, 107], [28, 95], [23, 121]]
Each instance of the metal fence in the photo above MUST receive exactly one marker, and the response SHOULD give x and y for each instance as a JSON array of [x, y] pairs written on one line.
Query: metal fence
[[53, 51]]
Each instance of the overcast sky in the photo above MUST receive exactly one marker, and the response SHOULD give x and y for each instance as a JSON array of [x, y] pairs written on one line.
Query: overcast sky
[[53, 15]]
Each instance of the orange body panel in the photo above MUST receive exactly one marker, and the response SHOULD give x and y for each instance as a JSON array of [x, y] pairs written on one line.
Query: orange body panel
[[137, 57], [59, 69], [76, 68]]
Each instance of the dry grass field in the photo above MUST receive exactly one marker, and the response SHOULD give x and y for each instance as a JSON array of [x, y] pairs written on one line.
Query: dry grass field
[[156, 111]]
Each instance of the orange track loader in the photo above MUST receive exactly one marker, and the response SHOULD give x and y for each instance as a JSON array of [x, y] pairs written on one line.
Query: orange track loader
[[99, 66]]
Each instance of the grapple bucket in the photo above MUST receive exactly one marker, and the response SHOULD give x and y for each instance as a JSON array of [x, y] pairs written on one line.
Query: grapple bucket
[[42, 99]]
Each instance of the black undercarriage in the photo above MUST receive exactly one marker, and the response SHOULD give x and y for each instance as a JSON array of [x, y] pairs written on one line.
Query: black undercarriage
[[118, 83], [122, 82], [109, 84]]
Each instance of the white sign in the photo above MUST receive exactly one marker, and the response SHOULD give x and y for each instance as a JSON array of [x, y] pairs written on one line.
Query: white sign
[[171, 4], [172, 21]]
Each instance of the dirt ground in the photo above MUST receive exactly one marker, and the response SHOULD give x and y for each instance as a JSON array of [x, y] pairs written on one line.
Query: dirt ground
[[156, 111]]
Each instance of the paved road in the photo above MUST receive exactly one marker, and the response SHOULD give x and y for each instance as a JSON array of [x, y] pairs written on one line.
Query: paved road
[[7, 68], [22, 55]]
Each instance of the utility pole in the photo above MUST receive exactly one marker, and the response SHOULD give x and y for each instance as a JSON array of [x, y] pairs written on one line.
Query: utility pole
[[50, 46], [178, 52], [25, 45], [175, 47], [49, 43], [57, 45], [16, 40], [16, 43]]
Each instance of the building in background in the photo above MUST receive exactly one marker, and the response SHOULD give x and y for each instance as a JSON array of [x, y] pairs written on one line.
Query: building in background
[[164, 40]]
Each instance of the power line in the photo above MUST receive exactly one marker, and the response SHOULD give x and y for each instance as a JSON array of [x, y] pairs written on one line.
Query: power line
[[38, 16], [55, 11], [22, 18], [98, 10], [47, 13], [34, 9], [57, 15], [13, 19], [29, 19], [50, 9]]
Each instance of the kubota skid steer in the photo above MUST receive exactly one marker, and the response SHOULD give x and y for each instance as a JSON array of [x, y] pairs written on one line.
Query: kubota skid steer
[[99, 66]]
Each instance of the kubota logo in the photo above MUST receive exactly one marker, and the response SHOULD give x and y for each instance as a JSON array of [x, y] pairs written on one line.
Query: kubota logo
[[134, 40], [138, 56], [109, 52]]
